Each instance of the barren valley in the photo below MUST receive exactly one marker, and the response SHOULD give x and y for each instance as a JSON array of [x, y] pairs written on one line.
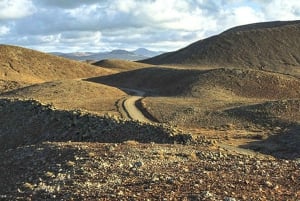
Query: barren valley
[[216, 120]]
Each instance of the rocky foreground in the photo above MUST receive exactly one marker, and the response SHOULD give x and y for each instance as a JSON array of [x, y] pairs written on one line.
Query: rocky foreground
[[134, 171], [47, 154]]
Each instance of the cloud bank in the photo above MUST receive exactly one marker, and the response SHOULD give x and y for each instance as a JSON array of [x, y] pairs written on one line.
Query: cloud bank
[[99, 25]]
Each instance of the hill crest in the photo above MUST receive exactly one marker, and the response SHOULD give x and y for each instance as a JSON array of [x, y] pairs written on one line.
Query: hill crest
[[30, 66], [270, 45]]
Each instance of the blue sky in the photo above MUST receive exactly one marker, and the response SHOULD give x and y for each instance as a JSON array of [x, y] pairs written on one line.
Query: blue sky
[[102, 25]]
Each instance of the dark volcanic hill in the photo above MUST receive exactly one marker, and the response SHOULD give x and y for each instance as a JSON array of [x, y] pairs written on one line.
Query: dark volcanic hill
[[271, 45]]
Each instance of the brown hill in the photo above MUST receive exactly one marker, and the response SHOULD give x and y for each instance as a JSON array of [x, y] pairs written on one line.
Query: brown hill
[[272, 45], [196, 83], [246, 83], [203, 98], [120, 65], [7, 85], [72, 95], [29, 66], [275, 113]]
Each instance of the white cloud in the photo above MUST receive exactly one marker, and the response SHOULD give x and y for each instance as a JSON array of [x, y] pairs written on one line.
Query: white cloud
[[81, 37], [14, 9], [128, 24], [65, 4], [239, 16], [125, 5], [4, 30], [171, 14], [282, 10]]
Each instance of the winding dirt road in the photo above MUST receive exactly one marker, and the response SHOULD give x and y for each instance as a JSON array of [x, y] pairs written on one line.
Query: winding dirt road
[[128, 106], [129, 110]]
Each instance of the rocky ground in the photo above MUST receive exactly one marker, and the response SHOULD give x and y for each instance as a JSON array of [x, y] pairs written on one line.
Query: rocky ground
[[135, 171], [224, 134], [50, 154]]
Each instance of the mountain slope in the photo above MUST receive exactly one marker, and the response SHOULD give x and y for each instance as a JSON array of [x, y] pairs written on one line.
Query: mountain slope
[[120, 65], [145, 52], [193, 83], [272, 45], [72, 95], [29, 66]]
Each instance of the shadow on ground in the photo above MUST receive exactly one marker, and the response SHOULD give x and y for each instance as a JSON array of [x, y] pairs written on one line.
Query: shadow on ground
[[281, 115], [284, 145], [154, 80], [29, 122]]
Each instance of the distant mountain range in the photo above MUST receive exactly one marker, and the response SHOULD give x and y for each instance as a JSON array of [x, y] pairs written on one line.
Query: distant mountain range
[[138, 54]]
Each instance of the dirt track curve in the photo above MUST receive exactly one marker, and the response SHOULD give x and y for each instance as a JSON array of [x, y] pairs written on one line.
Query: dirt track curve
[[128, 106], [129, 110]]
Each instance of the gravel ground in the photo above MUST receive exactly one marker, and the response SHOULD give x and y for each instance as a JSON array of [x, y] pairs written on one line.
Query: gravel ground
[[135, 171], [48, 154]]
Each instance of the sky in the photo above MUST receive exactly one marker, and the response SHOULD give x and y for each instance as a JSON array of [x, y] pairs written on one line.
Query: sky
[[104, 25]]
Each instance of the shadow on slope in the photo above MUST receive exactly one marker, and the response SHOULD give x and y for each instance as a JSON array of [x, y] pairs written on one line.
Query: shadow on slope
[[284, 145], [29, 122], [186, 82], [281, 116], [282, 113], [156, 80]]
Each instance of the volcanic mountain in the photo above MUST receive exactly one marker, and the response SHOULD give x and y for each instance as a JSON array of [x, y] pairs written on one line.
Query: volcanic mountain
[[271, 46]]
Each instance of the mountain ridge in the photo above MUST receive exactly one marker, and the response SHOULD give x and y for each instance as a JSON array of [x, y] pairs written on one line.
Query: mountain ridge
[[138, 54], [269, 45]]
